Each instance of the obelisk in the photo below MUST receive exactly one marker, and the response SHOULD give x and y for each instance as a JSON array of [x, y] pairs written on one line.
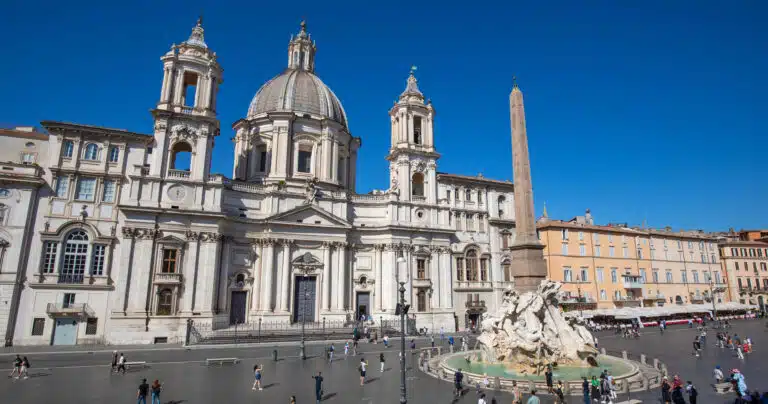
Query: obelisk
[[528, 265]]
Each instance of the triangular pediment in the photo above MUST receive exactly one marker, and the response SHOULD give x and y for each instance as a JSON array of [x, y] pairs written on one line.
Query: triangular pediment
[[171, 239], [310, 215]]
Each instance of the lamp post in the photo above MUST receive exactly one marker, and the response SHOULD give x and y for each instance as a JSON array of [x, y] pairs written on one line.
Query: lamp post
[[402, 278], [712, 291], [305, 292], [578, 301]]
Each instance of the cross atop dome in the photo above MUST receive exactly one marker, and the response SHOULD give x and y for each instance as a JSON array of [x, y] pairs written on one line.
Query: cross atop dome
[[197, 37], [301, 50], [412, 92]]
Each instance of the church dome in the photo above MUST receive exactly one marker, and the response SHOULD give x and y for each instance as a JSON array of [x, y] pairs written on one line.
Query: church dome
[[300, 91]]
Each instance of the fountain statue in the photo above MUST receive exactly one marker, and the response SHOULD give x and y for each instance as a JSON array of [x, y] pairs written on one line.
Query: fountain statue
[[529, 333]]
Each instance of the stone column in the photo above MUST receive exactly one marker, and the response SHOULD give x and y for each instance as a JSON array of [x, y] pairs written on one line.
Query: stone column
[[341, 278], [434, 276], [166, 85], [285, 302], [268, 271], [257, 264], [379, 278], [326, 297]]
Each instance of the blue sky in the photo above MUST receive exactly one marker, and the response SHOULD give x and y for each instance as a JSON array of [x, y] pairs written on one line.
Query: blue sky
[[637, 110]]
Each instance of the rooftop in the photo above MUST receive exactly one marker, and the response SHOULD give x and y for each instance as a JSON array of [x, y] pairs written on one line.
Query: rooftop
[[100, 130], [474, 178]]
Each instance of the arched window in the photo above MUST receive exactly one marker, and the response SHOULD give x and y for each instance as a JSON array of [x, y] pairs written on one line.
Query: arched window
[[181, 156], [417, 184], [114, 154], [471, 265], [75, 256], [91, 152], [501, 201], [164, 302], [68, 148]]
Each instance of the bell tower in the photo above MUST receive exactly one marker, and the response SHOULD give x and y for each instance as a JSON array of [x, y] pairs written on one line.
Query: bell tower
[[412, 156], [185, 115]]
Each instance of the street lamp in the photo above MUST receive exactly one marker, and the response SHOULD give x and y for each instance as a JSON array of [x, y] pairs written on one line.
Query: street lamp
[[712, 291], [402, 278], [578, 301], [303, 352]]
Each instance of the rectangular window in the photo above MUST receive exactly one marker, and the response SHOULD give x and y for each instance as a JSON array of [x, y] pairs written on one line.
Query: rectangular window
[[114, 154], [564, 233], [597, 251], [584, 275], [653, 254], [642, 275], [567, 274], [49, 260], [470, 222], [737, 265], [109, 191], [38, 326], [564, 249], [669, 276], [69, 300], [734, 252], [603, 295], [62, 186], [459, 269], [417, 130], [448, 194], [655, 276], [703, 258], [596, 237], [741, 285], [684, 276], [421, 271], [581, 235], [305, 161], [582, 250], [599, 272], [98, 259], [421, 303], [91, 325], [639, 253], [763, 266], [760, 253], [169, 261], [717, 277], [611, 251], [86, 188], [665, 242], [28, 158], [712, 259], [625, 252], [614, 276], [481, 224], [483, 269]]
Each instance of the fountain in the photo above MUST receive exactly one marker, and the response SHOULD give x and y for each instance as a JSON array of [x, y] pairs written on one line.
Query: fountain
[[527, 335]]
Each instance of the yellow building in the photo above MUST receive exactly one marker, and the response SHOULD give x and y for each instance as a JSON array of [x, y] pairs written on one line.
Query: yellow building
[[618, 266]]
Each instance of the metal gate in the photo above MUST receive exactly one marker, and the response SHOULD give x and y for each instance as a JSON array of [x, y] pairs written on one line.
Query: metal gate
[[363, 305], [304, 299], [237, 308]]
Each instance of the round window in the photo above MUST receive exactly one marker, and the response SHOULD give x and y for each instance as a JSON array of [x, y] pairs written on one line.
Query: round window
[[363, 280], [420, 214]]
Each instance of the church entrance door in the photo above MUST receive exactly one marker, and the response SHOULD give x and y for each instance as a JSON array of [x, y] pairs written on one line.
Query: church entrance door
[[363, 305], [304, 299], [237, 307]]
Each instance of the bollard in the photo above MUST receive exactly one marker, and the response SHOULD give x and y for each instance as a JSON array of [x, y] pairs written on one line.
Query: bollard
[[439, 351], [624, 355], [643, 359], [274, 355], [656, 363], [625, 386]]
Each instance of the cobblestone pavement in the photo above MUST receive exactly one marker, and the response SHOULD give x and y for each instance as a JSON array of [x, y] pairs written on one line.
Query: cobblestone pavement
[[81, 377]]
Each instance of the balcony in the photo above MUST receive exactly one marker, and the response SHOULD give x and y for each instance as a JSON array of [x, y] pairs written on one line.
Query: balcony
[[421, 282], [626, 298], [178, 174], [418, 198], [633, 282], [473, 285], [69, 310], [568, 300], [71, 278], [475, 305], [167, 278], [697, 298]]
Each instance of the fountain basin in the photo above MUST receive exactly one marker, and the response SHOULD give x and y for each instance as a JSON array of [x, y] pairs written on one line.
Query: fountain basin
[[619, 368]]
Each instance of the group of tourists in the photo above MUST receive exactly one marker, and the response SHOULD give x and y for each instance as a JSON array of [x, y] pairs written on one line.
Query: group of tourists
[[676, 392], [599, 390], [20, 368]]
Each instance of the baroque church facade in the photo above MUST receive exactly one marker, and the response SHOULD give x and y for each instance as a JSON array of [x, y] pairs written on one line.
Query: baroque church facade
[[128, 245]]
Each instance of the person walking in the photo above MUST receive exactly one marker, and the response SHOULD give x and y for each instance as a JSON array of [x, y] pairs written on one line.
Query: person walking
[[293, 399], [559, 392], [432, 340], [156, 388], [739, 352], [666, 393], [386, 341], [451, 341], [677, 394], [256, 377], [458, 377], [595, 389], [696, 347], [692, 392], [533, 399], [481, 399], [141, 395], [114, 362], [442, 335], [16, 367], [381, 361], [354, 347], [346, 349], [718, 374], [585, 390], [362, 367], [24, 368], [121, 364], [548, 376], [318, 387], [331, 349]]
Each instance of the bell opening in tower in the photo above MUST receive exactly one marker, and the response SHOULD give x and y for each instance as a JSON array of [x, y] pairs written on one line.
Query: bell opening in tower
[[417, 130], [189, 92]]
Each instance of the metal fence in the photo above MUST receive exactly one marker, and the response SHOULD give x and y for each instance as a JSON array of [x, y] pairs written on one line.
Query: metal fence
[[218, 332]]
